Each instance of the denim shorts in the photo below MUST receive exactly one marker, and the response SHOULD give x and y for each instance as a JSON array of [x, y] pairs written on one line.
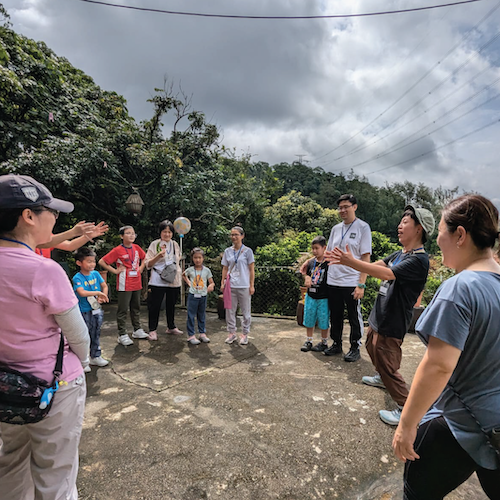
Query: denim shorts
[[316, 311]]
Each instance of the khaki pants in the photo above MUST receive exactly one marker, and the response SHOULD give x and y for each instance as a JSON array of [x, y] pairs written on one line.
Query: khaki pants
[[40, 461], [128, 300], [386, 355]]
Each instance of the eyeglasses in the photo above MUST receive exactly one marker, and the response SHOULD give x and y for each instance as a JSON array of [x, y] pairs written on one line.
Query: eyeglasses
[[344, 207]]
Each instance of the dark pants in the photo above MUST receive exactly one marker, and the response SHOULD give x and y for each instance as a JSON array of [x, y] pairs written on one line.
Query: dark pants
[[155, 298], [196, 308], [94, 323], [340, 297], [443, 466], [128, 300], [385, 353]]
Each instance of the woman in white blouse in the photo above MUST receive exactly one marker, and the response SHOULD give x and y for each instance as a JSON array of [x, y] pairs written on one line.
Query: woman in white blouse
[[163, 253]]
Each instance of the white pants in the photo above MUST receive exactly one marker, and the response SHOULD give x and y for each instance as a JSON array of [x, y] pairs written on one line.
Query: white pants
[[40, 461], [241, 297]]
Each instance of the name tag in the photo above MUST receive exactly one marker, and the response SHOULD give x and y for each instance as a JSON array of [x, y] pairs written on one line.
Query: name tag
[[95, 312], [384, 288], [132, 274], [168, 262], [312, 290], [197, 295]]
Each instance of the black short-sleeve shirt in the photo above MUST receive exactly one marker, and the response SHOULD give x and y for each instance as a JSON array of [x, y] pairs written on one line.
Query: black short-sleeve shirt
[[318, 273], [393, 309]]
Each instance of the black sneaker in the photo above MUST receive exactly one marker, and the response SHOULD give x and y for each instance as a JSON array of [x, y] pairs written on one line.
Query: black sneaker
[[307, 346], [352, 355], [320, 347], [333, 349]]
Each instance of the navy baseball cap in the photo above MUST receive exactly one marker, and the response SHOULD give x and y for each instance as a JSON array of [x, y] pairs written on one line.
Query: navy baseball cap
[[22, 191]]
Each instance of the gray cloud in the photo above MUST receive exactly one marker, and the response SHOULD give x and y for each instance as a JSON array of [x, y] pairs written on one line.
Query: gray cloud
[[281, 88]]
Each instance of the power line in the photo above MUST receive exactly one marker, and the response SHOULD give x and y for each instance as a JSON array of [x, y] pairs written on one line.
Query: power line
[[427, 73], [436, 148], [234, 16]]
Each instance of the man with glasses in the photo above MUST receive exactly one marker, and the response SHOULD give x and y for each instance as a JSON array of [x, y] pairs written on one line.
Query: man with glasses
[[346, 286]]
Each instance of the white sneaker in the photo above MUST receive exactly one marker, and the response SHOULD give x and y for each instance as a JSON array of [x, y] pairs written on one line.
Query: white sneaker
[[99, 361], [230, 338], [375, 381], [87, 369], [193, 340], [391, 417], [140, 334], [243, 339], [125, 340]]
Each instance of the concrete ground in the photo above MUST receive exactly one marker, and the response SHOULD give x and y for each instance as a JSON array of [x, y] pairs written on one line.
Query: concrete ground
[[168, 420]]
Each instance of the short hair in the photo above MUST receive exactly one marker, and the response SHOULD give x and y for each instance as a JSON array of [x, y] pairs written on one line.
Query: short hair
[[83, 252], [164, 224], [9, 218], [123, 229], [239, 229], [347, 197], [319, 240], [477, 215], [410, 213], [197, 250]]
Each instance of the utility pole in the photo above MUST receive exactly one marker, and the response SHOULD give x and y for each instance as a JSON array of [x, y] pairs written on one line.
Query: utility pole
[[300, 158]]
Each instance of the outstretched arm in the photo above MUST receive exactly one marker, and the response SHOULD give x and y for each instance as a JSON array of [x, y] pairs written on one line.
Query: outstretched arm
[[377, 270]]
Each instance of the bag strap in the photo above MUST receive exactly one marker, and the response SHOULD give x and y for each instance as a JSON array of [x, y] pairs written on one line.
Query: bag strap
[[488, 438], [59, 361]]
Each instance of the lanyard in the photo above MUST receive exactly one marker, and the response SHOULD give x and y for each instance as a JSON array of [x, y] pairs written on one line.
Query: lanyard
[[17, 241], [346, 231], [237, 255], [131, 257], [397, 260]]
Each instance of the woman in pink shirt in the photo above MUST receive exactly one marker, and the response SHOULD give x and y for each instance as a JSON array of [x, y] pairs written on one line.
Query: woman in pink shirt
[[39, 460]]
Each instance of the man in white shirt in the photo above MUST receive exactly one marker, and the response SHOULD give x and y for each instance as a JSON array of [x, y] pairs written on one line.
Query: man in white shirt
[[346, 286]]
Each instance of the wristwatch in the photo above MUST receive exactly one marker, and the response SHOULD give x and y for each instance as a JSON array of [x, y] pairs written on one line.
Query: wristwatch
[[361, 285]]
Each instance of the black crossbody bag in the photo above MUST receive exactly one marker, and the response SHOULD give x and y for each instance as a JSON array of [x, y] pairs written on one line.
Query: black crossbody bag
[[25, 398]]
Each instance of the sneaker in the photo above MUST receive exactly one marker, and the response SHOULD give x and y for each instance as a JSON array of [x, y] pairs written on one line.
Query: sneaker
[[99, 361], [352, 355], [307, 346], [174, 331], [320, 347], [203, 337], [125, 340], [87, 369], [230, 338], [333, 349], [153, 335], [375, 381], [193, 340], [391, 417], [140, 334], [243, 339]]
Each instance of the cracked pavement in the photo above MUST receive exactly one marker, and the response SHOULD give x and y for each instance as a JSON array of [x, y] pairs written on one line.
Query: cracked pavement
[[169, 420]]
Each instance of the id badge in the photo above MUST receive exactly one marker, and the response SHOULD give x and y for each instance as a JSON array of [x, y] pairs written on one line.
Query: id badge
[[168, 262], [95, 312], [132, 274], [236, 274], [312, 290], [197, 295], [384, 287]]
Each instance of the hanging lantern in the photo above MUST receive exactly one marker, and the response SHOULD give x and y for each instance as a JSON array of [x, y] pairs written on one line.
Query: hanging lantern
[[134, 203]]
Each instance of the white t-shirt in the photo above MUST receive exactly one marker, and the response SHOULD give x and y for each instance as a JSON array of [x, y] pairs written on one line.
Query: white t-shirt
[[240, 273], [358, 237]]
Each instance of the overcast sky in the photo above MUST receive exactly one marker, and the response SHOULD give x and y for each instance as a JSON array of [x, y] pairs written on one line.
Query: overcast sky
[[345, 93]]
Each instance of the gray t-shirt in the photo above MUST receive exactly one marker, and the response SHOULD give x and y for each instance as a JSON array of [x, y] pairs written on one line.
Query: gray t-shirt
[[199, 280], [465, 313], [237, 262]]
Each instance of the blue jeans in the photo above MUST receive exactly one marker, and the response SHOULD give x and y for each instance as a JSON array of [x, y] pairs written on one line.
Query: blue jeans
[[196, 307], [94, 323]]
